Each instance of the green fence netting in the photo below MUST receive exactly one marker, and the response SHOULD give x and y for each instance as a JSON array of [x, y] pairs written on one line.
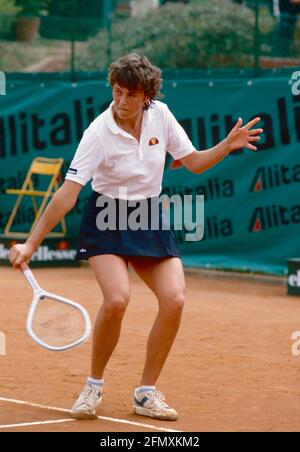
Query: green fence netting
[[198, 34]]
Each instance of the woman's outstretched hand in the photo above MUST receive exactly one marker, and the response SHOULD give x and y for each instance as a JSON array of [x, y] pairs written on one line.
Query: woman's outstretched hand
[[243, 137]]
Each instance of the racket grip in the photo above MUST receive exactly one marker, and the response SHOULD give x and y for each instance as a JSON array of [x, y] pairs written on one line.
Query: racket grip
[[30, 278], [24, 267]]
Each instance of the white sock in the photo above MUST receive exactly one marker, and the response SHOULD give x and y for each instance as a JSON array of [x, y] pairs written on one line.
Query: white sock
[[145, 388], [94, 382]]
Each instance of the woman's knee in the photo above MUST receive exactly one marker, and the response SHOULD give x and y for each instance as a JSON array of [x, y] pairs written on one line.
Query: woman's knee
[[173, 303], [115, 305]]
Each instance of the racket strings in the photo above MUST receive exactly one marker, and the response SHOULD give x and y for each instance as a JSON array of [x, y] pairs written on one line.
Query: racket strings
[[57, 324]]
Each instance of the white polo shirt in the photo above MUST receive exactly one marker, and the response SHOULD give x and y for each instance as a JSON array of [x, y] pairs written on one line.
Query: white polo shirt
[[114, 159]]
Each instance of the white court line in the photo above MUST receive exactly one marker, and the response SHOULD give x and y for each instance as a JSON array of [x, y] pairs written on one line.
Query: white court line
[[104, 418], [29, 424]]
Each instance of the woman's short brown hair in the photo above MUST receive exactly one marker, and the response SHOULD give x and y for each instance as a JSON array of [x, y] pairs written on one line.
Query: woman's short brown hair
[[135, 72]]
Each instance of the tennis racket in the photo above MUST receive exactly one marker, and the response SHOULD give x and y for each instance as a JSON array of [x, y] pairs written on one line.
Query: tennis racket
[[54, 322]]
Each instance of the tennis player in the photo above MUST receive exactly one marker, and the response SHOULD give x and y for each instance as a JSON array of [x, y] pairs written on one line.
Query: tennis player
[[123, 151]]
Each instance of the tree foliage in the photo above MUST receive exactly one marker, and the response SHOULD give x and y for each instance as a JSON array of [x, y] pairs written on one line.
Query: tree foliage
[[214, 33]]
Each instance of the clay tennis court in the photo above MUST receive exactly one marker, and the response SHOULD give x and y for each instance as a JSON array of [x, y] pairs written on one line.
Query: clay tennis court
[[231, 368]]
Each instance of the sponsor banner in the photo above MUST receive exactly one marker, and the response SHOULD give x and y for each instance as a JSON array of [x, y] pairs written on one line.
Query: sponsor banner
[[53, 252], [252, 204], [293, 279]]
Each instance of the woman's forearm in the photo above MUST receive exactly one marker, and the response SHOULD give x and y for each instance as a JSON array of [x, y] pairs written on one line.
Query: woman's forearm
[[58, 207], [62, 202], [207, 159]]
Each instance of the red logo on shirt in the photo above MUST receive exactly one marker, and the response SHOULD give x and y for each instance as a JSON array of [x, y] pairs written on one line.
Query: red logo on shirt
[[153, 141]]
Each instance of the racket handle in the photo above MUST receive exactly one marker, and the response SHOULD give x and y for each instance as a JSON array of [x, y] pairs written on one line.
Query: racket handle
[[24, 267], [30, 278]]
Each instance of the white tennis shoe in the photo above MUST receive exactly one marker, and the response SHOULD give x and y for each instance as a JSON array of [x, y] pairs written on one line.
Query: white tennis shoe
[[86, 405], [153, 404]]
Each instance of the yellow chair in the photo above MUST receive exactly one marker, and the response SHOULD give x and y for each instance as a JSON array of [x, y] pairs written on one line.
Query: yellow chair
[[39, 166]]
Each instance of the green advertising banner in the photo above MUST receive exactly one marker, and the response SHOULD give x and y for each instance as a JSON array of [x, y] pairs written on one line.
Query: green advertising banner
[[252, 205]]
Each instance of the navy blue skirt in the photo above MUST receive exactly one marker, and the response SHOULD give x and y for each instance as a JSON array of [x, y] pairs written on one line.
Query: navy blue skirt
[[152, 241]]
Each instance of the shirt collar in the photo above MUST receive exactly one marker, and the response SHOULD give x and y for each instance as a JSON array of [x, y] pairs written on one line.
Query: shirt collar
[[113, 126]]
